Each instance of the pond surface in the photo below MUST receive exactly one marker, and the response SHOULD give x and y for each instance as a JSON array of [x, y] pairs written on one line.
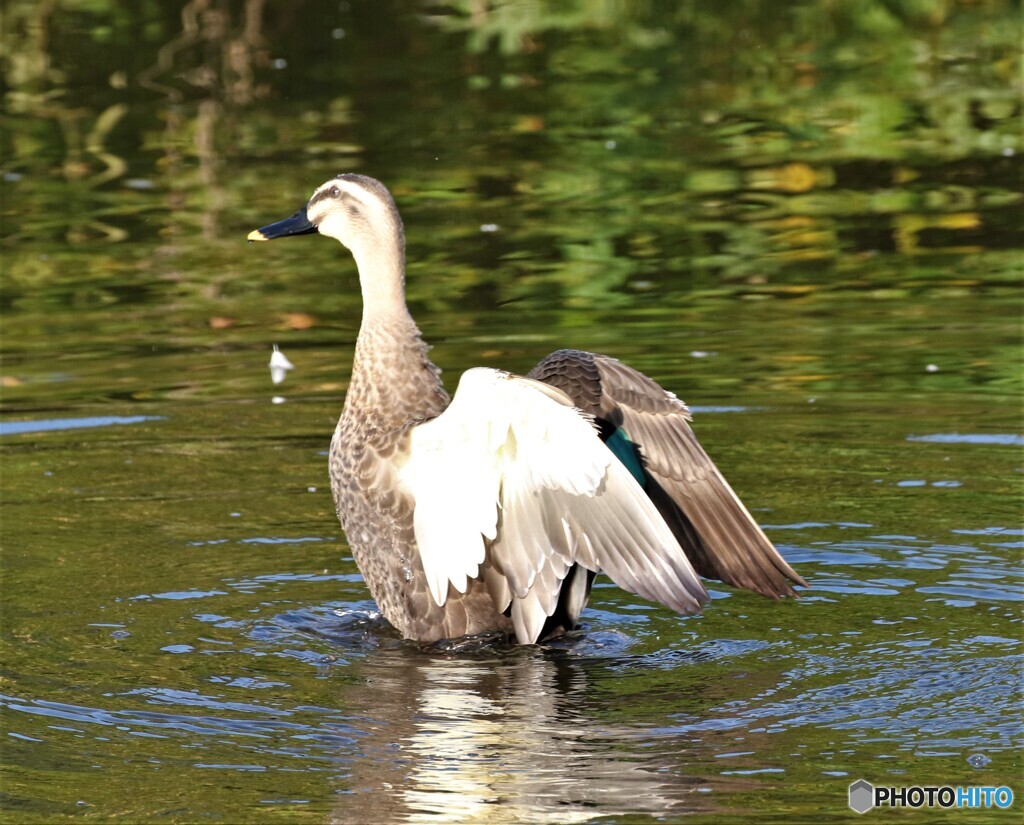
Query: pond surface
[[802, 218]]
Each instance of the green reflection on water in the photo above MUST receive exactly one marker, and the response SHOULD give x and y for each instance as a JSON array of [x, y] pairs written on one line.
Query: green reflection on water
[[809, 212]]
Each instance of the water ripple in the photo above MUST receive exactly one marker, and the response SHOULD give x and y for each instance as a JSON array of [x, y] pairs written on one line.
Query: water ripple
[[1002, 439], [47, 424]]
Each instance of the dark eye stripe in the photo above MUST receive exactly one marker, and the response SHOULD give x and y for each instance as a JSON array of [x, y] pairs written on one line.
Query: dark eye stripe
[[351, 202], [322, 195]]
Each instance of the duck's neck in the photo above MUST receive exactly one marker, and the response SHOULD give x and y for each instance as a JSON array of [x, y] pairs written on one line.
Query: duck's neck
[[394, 383], [382, 281]]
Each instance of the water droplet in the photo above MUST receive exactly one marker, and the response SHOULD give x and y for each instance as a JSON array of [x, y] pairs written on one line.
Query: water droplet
[[978, 760]]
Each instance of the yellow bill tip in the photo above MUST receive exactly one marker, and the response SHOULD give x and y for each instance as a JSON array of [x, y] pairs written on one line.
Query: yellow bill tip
[[256, 235]]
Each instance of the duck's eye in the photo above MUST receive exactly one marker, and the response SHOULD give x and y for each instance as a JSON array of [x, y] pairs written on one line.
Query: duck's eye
[[335, 192]]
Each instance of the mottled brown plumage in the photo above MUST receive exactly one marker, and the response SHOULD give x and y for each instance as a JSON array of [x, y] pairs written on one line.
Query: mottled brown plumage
[[551, 536], [376, 514]]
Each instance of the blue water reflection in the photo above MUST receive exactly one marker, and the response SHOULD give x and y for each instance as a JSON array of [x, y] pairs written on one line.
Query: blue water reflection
[[45, 425]]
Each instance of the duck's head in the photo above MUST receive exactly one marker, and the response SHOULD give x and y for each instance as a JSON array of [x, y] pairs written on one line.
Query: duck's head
[[354, 209]]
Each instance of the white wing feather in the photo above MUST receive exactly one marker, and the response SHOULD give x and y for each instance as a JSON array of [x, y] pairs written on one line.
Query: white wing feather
[[458, 462], [513, 466]]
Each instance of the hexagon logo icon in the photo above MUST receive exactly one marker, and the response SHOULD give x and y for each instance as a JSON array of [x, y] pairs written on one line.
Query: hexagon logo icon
[[862, 796]]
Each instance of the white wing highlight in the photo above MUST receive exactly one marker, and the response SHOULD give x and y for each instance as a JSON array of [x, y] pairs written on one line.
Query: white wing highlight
[[513, 479]]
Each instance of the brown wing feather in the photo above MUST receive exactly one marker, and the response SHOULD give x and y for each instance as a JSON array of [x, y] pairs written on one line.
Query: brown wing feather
[[717, 532]]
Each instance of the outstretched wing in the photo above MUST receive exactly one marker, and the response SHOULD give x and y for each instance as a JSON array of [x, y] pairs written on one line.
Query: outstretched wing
[[719, 535], [512, 483]]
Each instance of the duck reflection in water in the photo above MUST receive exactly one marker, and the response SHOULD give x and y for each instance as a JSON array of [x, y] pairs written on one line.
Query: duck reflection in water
[[518, 737]]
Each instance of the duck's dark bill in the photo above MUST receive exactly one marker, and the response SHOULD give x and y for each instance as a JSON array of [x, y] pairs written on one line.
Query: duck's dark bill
[[297, 224]]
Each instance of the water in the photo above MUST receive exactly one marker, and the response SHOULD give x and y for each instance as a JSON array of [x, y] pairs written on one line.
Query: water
[[806, 223]]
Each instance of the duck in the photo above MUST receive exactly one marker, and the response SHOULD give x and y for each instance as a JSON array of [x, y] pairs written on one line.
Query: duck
[[490, 513]]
